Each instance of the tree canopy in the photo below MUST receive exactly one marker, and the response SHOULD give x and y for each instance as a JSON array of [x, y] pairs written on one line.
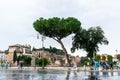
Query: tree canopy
[[110, 58], [118, 56], [97, 58], [57, 29], [89, 40], [103, 57]]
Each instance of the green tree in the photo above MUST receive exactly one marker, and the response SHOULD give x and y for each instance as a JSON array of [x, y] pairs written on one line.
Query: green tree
[[26, 60], [84, 61], [109, 58], [118, 56], [14, 56], [6, 51], [33, 49], [55, 50], [98, 57], [57, 29], [89, 40], [39, 61], [103, 57]]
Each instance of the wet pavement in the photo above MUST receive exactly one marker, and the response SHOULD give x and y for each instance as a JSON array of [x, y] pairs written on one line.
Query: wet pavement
[[57, 75]]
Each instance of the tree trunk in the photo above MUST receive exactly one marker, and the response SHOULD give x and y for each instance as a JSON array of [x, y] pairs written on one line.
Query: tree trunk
[[65, 51]]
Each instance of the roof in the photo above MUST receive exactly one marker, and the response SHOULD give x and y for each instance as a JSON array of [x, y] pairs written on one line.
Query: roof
[[16, 45], [19, 45], [1, 51]]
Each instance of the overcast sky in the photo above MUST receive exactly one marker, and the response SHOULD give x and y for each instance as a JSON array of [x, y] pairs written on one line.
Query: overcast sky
[[17, 17]]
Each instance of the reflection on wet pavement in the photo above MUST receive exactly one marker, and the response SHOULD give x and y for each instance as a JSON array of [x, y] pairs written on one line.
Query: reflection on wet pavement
[[57, 75]]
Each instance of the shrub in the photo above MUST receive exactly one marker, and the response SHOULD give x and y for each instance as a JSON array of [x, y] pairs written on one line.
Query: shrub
[[41, 61]]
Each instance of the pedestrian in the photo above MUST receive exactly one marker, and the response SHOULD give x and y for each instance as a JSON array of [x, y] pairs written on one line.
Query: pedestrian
[[111, 65], [104, 65], [21, 65], [75, 65], [0, 64], [3, 65], [6, 65], [118, 65], [18, 64], [85, 66], [96, 65]]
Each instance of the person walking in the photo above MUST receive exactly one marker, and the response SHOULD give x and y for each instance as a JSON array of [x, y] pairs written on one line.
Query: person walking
[[0, 65], [3, 65], [104, 65], [96, 65], [18, 64], [21, 65], [111, 65], [118, 65], [75, 65], [6, 65]]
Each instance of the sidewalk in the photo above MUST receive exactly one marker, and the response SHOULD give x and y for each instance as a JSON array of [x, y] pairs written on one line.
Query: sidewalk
[[62, 68]]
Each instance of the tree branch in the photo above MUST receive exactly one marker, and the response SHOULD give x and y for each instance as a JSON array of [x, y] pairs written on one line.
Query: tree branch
[[56, 39]]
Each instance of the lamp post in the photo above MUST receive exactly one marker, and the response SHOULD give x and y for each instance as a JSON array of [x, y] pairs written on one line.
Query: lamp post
[[42, 38]]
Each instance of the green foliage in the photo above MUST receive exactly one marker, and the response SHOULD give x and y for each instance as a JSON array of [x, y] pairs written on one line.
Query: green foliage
[[118, 56], [33, 49], [89, 40], [84, 60], [97, 58], [57, 27], [14, 56], [41, 61], [109, 58], [103, 57], [52, 50], [26, 60], [6, 51]]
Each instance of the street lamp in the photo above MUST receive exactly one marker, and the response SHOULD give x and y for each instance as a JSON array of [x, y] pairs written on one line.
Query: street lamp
[[42, 38]]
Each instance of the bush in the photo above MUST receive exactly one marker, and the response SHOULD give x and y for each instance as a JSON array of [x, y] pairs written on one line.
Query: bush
[[41, 61], [84, 61], [26, 60]]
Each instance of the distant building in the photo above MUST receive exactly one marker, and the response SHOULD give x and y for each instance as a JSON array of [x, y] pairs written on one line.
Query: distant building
[[20, 49], [55, 60], [2, 53], [52, 57]]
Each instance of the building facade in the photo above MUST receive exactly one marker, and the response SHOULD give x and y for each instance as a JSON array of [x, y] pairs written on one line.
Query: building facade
[[2, 54], [20, 49]]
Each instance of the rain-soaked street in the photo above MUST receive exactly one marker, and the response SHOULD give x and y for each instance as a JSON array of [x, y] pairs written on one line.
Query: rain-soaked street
[[57, 75]]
